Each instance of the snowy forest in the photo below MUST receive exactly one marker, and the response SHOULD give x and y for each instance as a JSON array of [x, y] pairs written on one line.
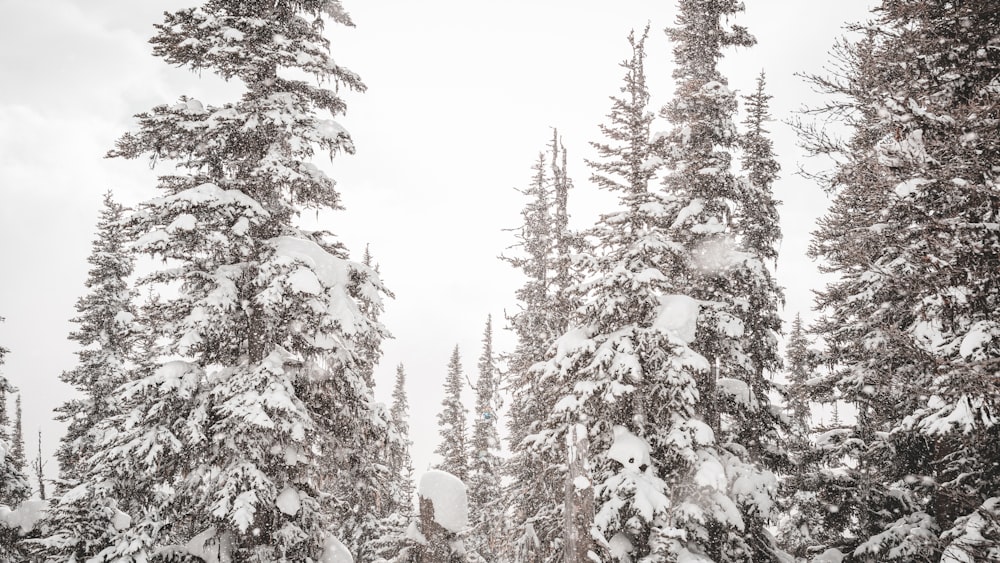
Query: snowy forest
[[658, 402]]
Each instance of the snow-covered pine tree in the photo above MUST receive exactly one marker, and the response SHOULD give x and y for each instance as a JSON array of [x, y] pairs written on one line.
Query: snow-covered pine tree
[[14, 487], [625, 368], [755, 223], [534, 496], [485, 503], [800, 362], [453, 449], [393, 545], [106, 335], [263, 321], [803, 507], [401, 463], [17, 437], [76, 524], [728, 229], [914, 312]]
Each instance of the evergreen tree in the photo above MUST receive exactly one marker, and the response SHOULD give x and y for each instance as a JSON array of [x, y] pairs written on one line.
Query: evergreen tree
[[14, 487], [727, 227], [394, 544], [401, 464], [803, 507], [76, 525], [534, 496], [265, 326], [755, 224], [484, 465], [106, 336], [453, 448], [801, 361], [912, 316], [17, 438]]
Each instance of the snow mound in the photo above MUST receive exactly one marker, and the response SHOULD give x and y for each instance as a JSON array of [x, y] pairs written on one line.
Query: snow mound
[[25, 516], [678, 316], [832, 555], [447, 494], [978, 338], [738, 390], [629, 450], [335, 552], [710, 473], [620, 547], [288, 501]]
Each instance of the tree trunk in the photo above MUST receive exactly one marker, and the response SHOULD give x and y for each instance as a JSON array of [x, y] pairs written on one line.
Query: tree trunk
[[579, 515]]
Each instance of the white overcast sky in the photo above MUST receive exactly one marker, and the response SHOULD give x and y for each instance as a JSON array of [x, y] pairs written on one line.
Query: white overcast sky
[[461, 97]]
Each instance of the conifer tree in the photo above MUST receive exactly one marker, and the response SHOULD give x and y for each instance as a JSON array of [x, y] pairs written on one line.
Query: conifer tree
[[106, 333], [401, 463], [14, 487], [17, 437], [800, 362], [755, 224], [727, 226], [912, 315], [264, 326], [453, 449], [534, 496], [484, 464], [106, 336]]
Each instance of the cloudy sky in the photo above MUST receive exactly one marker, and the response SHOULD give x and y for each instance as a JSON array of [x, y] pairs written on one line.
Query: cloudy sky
[[461, 98]]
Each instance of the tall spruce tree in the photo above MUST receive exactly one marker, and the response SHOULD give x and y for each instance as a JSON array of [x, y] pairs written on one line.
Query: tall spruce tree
[[911, 236], [628, 373], [452, 423], [485, 503], [264, 324], [534, 495], [106, 335], [727, 226]]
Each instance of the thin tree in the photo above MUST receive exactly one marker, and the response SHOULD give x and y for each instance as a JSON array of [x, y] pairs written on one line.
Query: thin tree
[[484, 464], [17, 437], [534, 495], [452, 422]]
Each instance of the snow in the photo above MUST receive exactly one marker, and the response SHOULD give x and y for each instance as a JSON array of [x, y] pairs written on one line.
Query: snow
[[910, 186], [710, 472], [620, 547], [335, 552], [581, 482], [979, 335], [413, 533], [738, 390], [303, 280], [288, 501], [629, 450], [693, 208], [218, 551], [329, 269], [832, 555], [120, 520], [183, 222], [25, 516], [678, 316], [447, 494]]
